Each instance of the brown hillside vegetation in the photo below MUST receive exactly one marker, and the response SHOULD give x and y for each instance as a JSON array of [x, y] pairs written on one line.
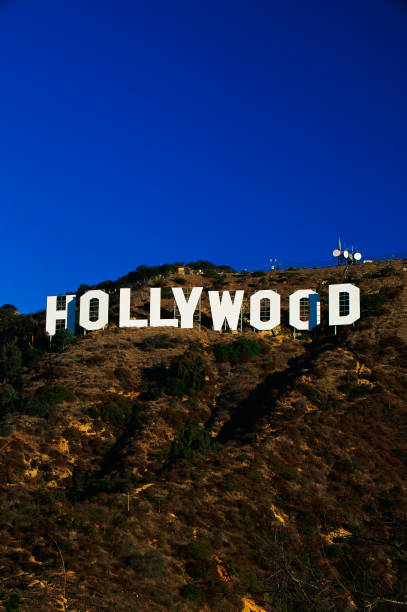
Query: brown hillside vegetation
[[186, 470]]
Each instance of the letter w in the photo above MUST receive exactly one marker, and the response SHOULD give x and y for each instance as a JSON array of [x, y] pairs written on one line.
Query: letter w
[[224, 308]]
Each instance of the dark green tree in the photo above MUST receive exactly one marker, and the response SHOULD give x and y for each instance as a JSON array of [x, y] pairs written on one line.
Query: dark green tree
[[11, 362], [62, 338], [7, 396]]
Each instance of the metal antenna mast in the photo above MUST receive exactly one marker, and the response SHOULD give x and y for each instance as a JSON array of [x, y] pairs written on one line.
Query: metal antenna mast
[[350, 257]]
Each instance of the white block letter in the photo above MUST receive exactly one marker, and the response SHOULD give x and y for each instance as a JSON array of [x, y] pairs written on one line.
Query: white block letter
[[187, 308], [124, 312], [225, 309], [255, 302], [67, 314], [344, 304], [103, 309], [155, 311], [314, 309]]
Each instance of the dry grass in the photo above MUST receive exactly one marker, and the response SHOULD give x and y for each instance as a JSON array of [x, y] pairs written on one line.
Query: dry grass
[[300, 505]]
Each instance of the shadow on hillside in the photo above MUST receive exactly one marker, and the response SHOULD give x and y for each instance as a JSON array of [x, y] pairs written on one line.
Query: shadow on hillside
[[262, 401], [112, 460]]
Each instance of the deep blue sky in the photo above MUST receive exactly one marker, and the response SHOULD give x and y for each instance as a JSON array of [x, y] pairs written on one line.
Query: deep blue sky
[[148, 132]]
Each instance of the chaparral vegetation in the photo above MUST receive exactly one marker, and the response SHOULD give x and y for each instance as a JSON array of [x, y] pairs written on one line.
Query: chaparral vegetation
[[189, 469]]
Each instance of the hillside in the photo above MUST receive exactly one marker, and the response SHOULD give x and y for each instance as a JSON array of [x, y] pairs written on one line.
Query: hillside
[[186, 470]]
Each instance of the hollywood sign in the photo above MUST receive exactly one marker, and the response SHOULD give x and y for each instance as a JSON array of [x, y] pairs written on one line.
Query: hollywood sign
[[343, 306]]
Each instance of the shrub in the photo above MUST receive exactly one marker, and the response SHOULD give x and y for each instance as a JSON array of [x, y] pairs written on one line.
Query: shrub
[[151, 563], [198, 550], [388, 270], [258, 273], [117, 412], [95, 359], [11, 362], [238, 351], [353, 390], [208, 265], [8, 311], [310, 392], [191, 591], [159, 341], [196, 346], [201, 563], [32, 356], [144, 273], [45, 399], [211, 273], [85, 484], [301, 405], [5, 429], [373, 303], [62, 338], [186, 375], [192, 440], [14, 602], [7, 397], [123, 374]]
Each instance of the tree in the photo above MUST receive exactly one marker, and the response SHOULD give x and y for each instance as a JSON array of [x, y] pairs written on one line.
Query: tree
[[11, 361], [7, 396], [62, 338]]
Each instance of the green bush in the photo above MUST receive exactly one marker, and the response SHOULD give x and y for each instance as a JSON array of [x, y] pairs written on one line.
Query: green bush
[[62, 338], [5, 429], [8, 311], [32, 356], [211, 273], [196, 346], [14, 602], [151, 563], [238, 351], [373, 303], [7, 397], [207, 265], [353, 390], [388, 270], [192, 592], [117, 412], [310, 392], [185, 376], [86, 484], [144, 273], [123, 375], [159, 341], [193, 440], [198, 550], [45, 400], [11, 362], [23, 331]]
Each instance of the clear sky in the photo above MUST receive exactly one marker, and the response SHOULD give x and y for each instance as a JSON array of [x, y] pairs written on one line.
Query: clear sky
[[149, 132]]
